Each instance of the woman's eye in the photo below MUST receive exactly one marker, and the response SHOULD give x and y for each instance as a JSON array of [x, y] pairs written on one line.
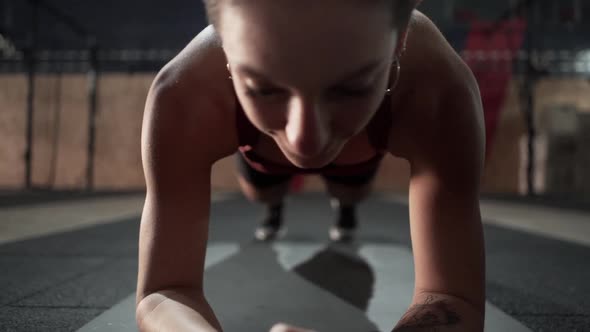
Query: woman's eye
[[336, 92], [262, 92], [352, 92]]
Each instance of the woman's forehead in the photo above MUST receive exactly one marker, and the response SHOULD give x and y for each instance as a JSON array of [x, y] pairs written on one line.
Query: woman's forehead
[[258, 33], [299, 13], [291, 48]]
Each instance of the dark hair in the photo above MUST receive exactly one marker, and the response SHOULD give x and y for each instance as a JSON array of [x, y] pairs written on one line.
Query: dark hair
[[401, 9]]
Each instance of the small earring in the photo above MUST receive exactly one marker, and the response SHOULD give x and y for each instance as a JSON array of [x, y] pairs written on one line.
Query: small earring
[[229, 70], [397, 70]]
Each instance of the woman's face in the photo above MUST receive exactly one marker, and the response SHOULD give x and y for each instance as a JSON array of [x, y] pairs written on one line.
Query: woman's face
[[309, 73]]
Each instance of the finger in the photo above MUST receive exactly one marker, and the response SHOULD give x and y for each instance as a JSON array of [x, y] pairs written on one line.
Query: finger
[[282, 327]]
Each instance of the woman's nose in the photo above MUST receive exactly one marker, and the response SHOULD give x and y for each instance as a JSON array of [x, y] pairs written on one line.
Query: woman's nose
[[307, 130]]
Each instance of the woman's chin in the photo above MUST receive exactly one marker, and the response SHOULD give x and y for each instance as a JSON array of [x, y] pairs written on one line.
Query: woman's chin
[[317, 160], [309, 162], [304, 164]]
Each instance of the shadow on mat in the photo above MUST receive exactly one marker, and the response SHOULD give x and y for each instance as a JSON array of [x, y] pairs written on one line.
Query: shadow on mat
[[252, 290], [341, 271]]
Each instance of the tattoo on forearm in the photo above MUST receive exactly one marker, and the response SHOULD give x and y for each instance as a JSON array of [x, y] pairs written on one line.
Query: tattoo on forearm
[[428, 316]]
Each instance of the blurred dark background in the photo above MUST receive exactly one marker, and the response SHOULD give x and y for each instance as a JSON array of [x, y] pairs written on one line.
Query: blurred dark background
[[143, 34], [74, 76]]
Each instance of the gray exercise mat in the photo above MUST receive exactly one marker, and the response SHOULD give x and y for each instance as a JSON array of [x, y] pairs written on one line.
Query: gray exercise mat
[[327, 288], [252, 291], [121, 317]]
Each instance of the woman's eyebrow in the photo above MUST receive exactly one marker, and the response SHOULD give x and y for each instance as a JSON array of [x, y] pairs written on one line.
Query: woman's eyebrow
[[251, 71], [362, 71]]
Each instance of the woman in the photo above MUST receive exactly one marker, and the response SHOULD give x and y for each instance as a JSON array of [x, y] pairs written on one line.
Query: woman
[[329, 87]]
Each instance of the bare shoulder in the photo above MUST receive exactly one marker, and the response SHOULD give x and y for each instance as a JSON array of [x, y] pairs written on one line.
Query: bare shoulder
[[429, 53], [437, 93], [191, 100]]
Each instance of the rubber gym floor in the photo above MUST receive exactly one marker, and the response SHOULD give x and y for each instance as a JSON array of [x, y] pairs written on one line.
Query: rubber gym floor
[[69, 263]]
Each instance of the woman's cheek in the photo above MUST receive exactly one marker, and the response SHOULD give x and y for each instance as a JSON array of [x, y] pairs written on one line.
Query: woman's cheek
[[266, 117], [351, 121]]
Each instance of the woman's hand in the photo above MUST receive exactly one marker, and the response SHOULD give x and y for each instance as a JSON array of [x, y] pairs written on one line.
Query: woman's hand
[[282, 327], [440, 312]]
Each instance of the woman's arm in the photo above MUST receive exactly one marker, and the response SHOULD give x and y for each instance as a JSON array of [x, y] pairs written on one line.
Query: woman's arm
[[445, 221], [439, 129], [446, 228], [444, 144], [184, 114]]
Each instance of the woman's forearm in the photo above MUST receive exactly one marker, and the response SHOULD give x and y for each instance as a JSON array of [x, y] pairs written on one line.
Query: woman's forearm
[[438, 312], [173, 311]]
